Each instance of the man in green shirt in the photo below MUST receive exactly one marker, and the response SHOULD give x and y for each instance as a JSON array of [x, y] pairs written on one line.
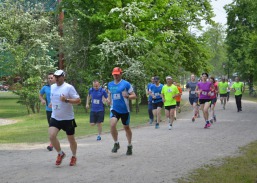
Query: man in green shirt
[[223, 86], [238, 88], [169, 93]]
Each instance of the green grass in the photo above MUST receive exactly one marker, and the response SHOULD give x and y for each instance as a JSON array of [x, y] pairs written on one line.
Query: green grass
[[239, 169]]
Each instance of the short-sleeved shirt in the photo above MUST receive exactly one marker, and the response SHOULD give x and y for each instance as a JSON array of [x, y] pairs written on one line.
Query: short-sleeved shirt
[[169, 92], [46, 90], [119, 103], [97, 99], [178, 98], [156, 91], [238, 86], [213, 94], [223, 86], [148, 88], [62, 110], [192, 85], [206, 88]]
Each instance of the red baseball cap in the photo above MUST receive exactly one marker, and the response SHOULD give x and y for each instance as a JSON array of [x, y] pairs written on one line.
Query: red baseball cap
[[116, 70]]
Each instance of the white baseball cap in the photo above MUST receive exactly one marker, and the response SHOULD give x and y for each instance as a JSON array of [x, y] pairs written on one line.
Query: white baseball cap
[[59, 73]]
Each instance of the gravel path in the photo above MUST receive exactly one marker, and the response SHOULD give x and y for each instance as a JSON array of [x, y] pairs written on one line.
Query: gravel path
[[159, 156]]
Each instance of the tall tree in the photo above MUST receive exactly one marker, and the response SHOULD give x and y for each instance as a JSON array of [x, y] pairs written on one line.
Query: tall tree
[[241, 37]]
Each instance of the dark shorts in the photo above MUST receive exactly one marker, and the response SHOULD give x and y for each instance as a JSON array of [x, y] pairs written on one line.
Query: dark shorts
[[125, 117], [48, 117], [96, 117], [178, 104], [224, 95], [170, 107], [193, 100], [213, 101], [66, 125], [203, 101], [156, 105]]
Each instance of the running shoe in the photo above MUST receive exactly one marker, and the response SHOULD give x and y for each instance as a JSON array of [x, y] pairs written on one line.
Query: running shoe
[[129, 150], [211, 121], [150, 121], [214, 118], [73, 161], [60, 158], [98, 138], [157, 126], [179, 110], [193, 119], [115, 147], [175, 118], [207, 125], [49, 148], [170, 125]]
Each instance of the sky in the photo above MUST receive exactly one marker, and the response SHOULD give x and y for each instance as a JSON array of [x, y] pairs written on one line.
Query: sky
[[221, 16]]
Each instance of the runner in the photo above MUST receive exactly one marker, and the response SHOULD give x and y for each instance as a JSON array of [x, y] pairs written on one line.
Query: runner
[[193, 96], [239, 89], [150, 104], [228, 90], [96, 95], [155, 91], [223, 86], [213, 96], [120, 92], [169, 93], [203, 89], [178, 100], [63, 96], [46, 90]]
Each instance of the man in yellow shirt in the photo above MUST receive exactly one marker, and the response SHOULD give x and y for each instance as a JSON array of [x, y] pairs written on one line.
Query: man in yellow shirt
[[169, 93], [239, 89]]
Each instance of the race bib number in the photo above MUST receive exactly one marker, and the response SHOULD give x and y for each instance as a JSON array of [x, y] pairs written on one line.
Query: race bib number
[[95, 101], [57, 106], [192, 92], [116, 96], [156, 94], [204, 93], [212, 93]]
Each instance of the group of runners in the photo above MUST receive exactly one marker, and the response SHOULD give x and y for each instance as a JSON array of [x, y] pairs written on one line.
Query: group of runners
[[203, 94], [61, 96]]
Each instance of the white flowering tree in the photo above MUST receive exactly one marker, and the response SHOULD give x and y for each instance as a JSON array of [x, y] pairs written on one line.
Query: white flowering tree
[[28, 42]]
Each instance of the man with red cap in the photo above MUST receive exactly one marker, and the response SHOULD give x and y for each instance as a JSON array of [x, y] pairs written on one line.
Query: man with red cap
[[120, 92]]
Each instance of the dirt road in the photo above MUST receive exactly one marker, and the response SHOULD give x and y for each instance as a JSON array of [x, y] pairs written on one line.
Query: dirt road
[[159, 156]]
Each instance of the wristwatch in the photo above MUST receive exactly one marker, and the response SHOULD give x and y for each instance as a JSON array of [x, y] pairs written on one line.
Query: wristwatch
[[67, 100]]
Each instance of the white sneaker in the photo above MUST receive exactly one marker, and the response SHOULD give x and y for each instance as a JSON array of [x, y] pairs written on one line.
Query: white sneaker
[[169, 127]]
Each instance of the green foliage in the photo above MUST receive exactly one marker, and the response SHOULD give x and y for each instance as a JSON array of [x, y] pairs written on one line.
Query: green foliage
[[241, 38], [144, 38], [29, 37]]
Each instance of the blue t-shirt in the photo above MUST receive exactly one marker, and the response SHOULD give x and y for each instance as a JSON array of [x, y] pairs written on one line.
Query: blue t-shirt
[[97, 99], [46, 90], [149, 96], [156, 90], [119, 103]]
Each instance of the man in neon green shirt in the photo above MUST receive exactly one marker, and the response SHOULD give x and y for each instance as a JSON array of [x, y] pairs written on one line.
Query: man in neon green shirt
[[239, 89], [223, 86], [168, 94]]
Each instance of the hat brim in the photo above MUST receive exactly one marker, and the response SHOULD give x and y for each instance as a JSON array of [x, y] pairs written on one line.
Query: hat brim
[[113, 73]]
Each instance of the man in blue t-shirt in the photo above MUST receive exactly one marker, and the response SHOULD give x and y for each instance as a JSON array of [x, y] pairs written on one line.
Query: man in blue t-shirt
[[120, 91], [155, 91], [96, 95], [150, 104], [46, 90]]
